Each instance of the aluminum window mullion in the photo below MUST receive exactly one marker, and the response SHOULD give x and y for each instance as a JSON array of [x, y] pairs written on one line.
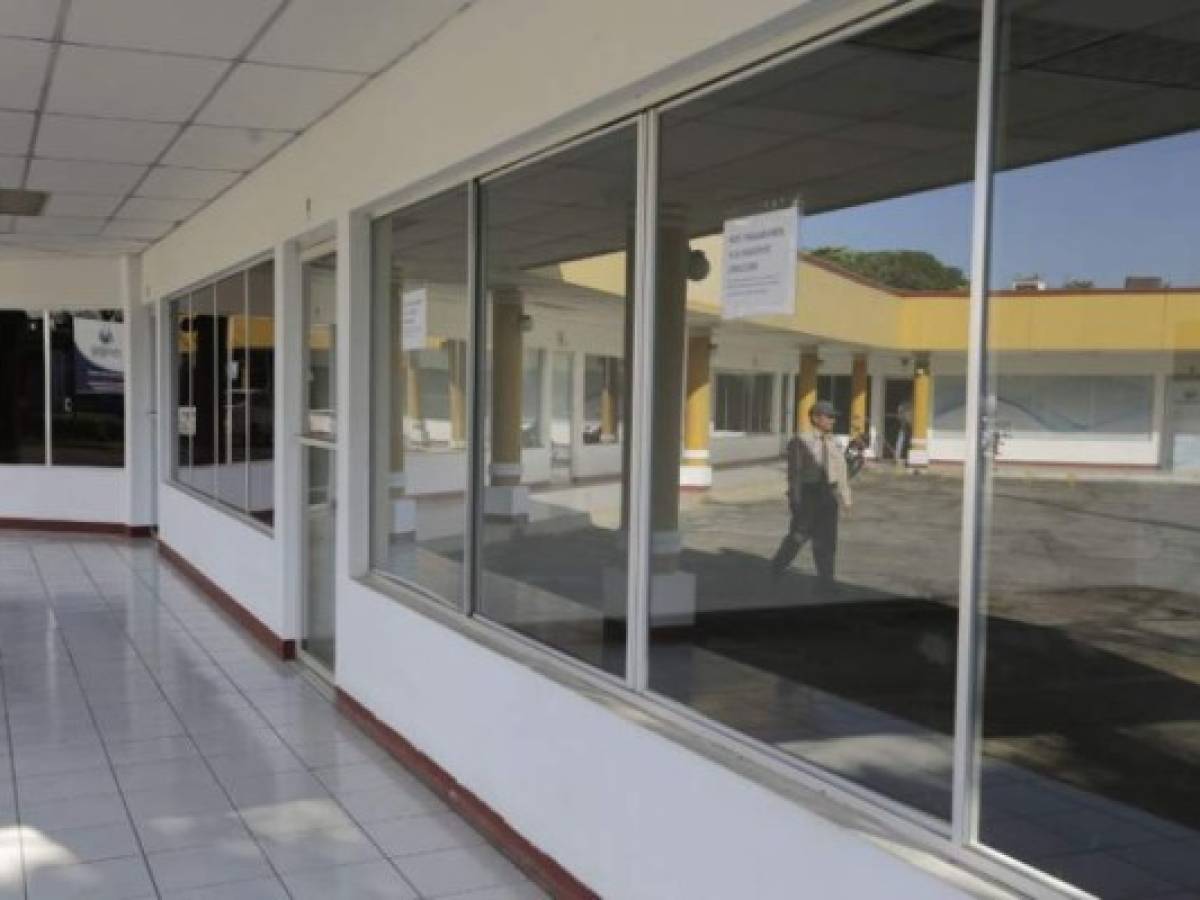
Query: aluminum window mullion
[[247, 387], [476, 356], [47, 391], [969, 675], [637, 630]]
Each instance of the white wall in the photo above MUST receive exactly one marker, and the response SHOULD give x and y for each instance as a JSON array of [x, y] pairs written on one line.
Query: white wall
[[649, 819], [238, 557]]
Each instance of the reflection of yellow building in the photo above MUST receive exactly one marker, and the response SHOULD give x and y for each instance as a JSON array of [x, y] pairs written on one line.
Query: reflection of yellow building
[[872, 329]]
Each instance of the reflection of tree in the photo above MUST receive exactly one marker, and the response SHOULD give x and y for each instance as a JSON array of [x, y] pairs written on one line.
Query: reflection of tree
[[904, 270]]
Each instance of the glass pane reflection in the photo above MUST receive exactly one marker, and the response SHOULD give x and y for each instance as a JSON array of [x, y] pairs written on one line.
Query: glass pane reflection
[[797, 596], [1091, 712]]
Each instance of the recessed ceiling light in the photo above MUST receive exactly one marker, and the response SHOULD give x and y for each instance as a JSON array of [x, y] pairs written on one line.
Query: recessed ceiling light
[[22, 203]]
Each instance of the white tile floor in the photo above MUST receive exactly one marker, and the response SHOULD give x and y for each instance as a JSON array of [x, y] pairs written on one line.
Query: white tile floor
[[149, 749]]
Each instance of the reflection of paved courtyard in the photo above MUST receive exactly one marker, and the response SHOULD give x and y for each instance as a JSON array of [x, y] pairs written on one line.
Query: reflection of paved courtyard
[[1092, 700]]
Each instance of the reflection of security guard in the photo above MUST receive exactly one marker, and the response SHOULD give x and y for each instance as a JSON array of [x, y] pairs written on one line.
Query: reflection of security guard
[[818, 485]]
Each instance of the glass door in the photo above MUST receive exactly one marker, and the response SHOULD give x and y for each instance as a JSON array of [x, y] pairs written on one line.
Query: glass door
[[318, 639]]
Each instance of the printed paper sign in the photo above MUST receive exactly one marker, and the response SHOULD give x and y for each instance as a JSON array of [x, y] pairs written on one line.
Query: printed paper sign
[[413, 319], [759, 273]]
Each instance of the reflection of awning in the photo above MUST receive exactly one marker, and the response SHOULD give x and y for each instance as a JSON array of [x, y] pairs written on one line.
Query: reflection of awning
[[888, 114]]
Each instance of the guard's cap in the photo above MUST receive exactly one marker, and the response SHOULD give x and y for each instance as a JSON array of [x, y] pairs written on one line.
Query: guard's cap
[[824, 408]]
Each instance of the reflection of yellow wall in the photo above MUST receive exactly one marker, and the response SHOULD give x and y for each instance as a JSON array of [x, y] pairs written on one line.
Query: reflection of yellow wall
[[837, 307]]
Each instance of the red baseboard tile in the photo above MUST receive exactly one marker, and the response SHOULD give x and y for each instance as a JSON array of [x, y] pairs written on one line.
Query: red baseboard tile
[[547, 873], [68, 527], [284, 648]]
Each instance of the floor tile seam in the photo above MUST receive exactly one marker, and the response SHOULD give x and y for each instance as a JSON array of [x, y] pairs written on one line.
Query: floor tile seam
[[108, 758], [228, 797], [271, 726], [12, 775]]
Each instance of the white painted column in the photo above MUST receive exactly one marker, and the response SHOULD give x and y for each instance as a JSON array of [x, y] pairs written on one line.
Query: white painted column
[[578, 393], [289, 409], [353, 396], [546, 389], [140, 468], [875, 415]]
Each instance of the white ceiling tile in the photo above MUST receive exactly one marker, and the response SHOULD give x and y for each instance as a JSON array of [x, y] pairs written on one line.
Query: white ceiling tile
[[154, 210], [233, 149], [22, 71], [363, 36], [108, 140], [88, 205], [15, 131], [257, 96], [150, 231], [185, 184], [220, 28], [11, 170], [131, 85], [59, 225], [83, 177], [28, 18]]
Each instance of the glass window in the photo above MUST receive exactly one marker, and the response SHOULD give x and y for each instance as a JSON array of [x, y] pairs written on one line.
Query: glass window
[[224, 376], [320, 345], [742, 402], [230, 383], [260, 387], [22, 387], [1090, 764], [87, 388], [205, 390], [421, 318], [558, 235], [808, 216]]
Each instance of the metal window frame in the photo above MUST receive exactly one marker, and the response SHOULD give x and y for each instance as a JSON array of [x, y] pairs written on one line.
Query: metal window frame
[[956, 839], [968, 688], [47, 391], [170, 423], [472, 578], [641, 429]]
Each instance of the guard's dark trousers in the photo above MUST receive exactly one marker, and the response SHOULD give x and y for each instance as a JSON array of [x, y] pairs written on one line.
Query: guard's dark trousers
[[815, 518]]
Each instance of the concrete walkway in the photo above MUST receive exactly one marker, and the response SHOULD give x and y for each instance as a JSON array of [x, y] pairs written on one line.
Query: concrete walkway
[[149, 749]]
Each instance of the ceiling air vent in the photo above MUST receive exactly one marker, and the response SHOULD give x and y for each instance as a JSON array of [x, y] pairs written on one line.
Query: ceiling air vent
[[21, 203]]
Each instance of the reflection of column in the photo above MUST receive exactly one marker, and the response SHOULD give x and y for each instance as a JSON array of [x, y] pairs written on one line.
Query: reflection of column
[[412, 394], [922, 391], [669, 330], [858, 395], [696, 471], [608, 399], [505, 496], [876, 397], [456, 351], [806, 389], [673, 593], [404, 510]]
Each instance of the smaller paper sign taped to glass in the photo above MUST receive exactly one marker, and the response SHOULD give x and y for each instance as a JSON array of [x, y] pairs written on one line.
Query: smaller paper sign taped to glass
[[99, 356], [758, 274], [413, 319]]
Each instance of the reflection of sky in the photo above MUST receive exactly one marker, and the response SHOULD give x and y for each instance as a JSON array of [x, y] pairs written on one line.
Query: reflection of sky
[[1102, 216]]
